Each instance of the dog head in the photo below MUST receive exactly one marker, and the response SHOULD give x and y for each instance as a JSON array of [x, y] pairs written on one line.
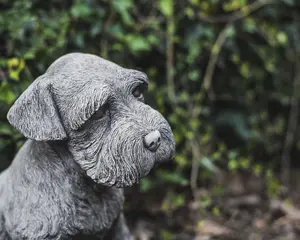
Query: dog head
[[98, 109]]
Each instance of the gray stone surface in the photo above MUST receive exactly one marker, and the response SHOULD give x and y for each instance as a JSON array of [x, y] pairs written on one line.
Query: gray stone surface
[[90, 134]]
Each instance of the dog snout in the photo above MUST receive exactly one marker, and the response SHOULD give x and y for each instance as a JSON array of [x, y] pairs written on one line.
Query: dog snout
[[152, 140]]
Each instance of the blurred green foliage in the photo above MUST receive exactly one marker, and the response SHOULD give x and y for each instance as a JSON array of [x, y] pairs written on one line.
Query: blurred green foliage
[[241, 128]]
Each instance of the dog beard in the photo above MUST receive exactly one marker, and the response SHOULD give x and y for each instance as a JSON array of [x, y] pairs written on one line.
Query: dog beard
[[122, 159]]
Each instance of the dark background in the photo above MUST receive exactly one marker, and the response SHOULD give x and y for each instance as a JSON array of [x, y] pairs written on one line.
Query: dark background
[[226, 75]]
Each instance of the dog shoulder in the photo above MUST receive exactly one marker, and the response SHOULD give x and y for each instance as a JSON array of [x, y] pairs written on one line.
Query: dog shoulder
[[56, 218]]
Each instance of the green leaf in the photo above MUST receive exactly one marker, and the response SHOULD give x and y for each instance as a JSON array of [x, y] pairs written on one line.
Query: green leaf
[[230, 31], [166, 7], [232, 164], [6, 93], [137, 43], [96, 29], [29, 55], [79, 40], [80, 10], [282, 38], [166, 235], [193, 75], [172, 177], [145, 185], [208, 164], [123, 8], [5, 129]]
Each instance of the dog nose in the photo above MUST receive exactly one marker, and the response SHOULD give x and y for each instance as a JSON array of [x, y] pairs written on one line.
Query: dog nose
[[152, 140]]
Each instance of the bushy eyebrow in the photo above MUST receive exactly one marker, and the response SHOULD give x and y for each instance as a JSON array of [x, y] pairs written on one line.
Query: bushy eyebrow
[[142, 82], [137, 75], [90, 103]]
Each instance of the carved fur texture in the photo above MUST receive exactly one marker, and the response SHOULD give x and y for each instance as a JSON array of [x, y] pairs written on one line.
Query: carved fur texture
[[86, 121]]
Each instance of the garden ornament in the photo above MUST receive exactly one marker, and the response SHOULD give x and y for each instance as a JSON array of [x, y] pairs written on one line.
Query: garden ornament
[[90, 134]]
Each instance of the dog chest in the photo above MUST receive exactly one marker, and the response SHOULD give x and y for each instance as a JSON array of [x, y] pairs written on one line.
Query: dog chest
[[63, 220], [46, 198]]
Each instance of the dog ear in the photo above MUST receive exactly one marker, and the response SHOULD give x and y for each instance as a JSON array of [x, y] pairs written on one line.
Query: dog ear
[[35, 115]]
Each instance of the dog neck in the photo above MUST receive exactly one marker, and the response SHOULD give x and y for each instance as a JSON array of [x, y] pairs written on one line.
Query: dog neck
[[60, 162], [51, 163], [54, 185]]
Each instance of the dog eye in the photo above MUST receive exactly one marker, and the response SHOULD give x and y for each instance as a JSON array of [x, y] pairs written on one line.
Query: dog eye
[[101, 113], [139, 91]]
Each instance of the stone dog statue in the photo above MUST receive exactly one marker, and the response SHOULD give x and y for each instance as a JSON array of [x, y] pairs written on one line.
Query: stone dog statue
[[90, 135]]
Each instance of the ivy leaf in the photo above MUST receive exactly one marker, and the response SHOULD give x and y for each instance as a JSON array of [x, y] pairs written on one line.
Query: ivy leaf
[[137, 43], [123, 7], [80, 10], [166, 7], [208, 164], [230, 31]]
